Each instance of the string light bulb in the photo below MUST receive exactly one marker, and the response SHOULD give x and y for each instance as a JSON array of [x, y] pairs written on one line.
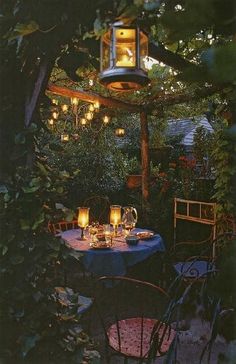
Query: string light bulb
[[83, 121], [55, 115], [74, 101], [91, 108], [55, 101], [96, 105], [106, 119], [65, 108], [51, 122], [89, 115]]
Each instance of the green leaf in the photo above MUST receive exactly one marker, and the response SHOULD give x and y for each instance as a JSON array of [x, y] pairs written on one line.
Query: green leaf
[[64, 174], [20, 138], [28, 343], [22, 29], [4, 250], [42, 169], [59, 206], [30, 189], [60, 189], [25, 225], [3, 189], [40, 220], [17, 259]]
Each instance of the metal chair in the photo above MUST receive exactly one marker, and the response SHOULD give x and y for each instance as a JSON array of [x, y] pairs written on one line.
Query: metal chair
[[131, 314], [99, 208], [194, 258]]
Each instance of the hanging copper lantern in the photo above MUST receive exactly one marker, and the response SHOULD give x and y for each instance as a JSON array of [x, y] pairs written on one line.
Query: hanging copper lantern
[[123, 50]]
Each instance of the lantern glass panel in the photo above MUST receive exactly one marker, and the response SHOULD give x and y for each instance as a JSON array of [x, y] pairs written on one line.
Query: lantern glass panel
[[143, 49], [125, 47], [106, 51]]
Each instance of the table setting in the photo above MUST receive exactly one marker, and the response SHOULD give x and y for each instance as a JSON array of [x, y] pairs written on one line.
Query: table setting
[[109, 249]]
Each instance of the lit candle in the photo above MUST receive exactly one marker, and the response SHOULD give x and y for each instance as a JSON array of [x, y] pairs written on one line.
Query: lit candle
[[115, 216], [125, 61], [83, 219]]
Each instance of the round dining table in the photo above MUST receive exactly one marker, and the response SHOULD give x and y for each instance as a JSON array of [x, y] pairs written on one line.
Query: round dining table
[[116, 260]]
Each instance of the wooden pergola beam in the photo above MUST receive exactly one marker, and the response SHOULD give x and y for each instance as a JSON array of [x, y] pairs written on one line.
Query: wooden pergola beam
[[145, 158], [93, 97]]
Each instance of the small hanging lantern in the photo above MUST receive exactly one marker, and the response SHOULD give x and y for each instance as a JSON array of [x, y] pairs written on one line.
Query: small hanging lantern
[[120, 132], [123, 51], [65, 137]]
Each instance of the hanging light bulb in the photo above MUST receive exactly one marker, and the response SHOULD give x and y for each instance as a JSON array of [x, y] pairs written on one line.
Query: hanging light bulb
[[89, 115], [106, 119], [65, 108], [120, 132], [55, 115], [91, 107], [96, 105], [83, 121], [55, 101], [91, 83], [51, 122], [74, 101]]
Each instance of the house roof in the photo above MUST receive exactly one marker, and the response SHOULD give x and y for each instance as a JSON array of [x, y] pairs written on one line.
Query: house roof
[[186, 128]]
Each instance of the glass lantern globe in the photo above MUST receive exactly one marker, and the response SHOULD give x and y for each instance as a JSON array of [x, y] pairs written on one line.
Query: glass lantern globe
[[123, 50]]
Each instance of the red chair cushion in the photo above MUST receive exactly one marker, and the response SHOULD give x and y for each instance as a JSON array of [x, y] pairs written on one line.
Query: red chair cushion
[[130, 337]]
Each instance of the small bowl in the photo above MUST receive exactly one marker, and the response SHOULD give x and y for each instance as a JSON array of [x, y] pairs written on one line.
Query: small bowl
[[131, 240]]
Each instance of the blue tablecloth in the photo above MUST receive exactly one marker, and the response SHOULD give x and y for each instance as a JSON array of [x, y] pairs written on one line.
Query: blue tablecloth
[[116, 260]]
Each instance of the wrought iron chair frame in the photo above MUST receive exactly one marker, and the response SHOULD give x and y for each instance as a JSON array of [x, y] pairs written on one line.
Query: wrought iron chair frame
[[167, 334]]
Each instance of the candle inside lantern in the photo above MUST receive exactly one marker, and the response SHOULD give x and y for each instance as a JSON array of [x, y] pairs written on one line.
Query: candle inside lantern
[[83, 219], [115, 216]]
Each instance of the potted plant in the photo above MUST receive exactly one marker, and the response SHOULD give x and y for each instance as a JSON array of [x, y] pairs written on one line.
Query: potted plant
[[134, 178]]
